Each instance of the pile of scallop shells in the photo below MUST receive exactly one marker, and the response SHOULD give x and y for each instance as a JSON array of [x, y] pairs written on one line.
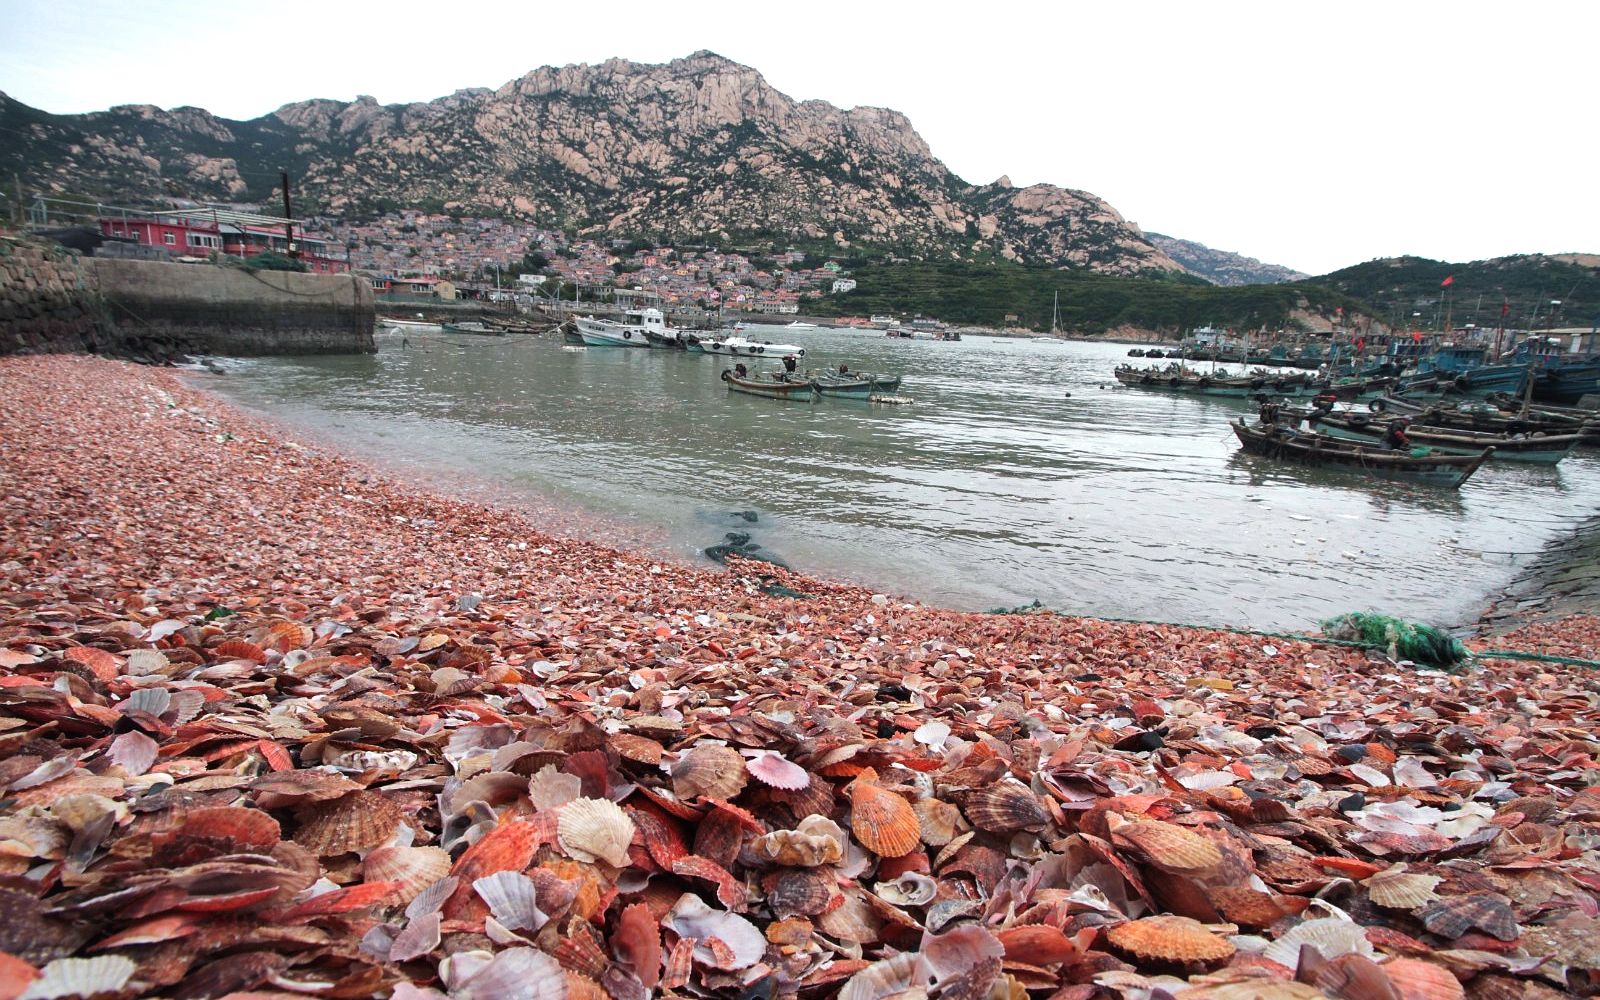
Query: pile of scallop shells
[[278, 769]]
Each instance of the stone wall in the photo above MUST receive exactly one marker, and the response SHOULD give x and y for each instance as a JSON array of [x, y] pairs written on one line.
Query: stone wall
[[47, 301], [52, 300], [202, 309]]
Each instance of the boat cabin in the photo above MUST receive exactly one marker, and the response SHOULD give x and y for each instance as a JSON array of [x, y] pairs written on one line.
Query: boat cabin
[[648, 320]]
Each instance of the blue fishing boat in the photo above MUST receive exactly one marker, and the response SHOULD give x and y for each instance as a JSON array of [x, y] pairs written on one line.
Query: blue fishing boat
[[1560, 378], [1464, 371]]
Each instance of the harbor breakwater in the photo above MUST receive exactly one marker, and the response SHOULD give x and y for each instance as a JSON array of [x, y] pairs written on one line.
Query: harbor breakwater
[[55, 301]]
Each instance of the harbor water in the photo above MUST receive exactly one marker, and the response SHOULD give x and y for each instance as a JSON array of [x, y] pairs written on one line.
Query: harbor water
[[1020, 471]]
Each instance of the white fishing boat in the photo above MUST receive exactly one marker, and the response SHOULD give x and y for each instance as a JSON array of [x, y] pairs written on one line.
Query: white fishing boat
[[797, 325], [408, 325], [742, 348], [637, 329]]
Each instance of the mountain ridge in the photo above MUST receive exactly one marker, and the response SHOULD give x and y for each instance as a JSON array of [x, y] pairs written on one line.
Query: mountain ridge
[[700, 145]]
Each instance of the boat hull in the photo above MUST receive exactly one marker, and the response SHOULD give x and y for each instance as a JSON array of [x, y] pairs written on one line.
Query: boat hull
[[1542, 450], [737, 348], [800, 391], [1321, 450], [602, 333]]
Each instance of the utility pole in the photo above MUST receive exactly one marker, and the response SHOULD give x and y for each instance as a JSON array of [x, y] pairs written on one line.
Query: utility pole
[[288, 219]]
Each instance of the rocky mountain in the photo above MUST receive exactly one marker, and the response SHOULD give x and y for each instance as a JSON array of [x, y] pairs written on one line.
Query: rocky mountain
[[699, 148], [1220, 267]]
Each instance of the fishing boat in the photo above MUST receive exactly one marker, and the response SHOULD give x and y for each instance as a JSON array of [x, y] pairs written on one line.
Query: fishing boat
[[1309, 448], [798, 325], [1491, 416], [635, 330], [742, 348], [1463, 371], [418, 325], [473, 327], [860, 385], [1540, 449], [772, 386]]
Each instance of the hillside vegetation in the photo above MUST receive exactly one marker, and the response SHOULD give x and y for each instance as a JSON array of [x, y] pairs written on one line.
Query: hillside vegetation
[[1396, 288], [984, 295]]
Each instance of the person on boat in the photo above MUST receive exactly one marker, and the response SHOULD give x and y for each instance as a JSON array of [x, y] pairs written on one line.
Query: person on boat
[[1395, 436], [1269, 412], [789, 363], [1324, 402], [844, 369], [740, 370]]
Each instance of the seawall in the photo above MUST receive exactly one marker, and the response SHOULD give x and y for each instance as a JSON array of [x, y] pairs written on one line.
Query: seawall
[[53, 300], [1564, 579]]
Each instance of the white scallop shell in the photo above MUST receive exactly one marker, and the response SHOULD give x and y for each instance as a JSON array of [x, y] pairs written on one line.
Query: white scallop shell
[[589, 829], [81, 977]]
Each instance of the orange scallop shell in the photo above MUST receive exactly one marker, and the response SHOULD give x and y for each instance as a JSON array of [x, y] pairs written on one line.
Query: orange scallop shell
[[1175, 940], [1419, 980], [938, 822], [1167, 846], [884, 822], [1036, 944]]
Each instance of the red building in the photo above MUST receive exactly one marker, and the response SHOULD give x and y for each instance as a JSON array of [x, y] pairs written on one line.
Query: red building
[[237, 234], [181, 236]]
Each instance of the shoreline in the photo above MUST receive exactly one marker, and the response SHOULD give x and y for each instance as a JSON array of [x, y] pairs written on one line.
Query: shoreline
[[309, 638]]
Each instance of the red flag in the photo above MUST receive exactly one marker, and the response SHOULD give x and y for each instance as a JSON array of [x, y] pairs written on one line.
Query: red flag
[[1505, 306], [1416, 335], [1448, 282], [1361, 343], [1339, 311]]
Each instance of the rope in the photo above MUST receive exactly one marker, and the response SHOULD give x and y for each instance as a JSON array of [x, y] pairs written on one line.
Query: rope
[[1319, 640]]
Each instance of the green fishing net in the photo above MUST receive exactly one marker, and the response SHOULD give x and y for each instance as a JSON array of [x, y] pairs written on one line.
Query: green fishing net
[[1403, 640]]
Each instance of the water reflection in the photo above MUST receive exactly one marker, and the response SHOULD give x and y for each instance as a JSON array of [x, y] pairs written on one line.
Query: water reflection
[[993, 488]]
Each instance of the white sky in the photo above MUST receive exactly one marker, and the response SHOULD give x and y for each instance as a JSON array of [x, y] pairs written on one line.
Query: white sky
[[1310, 134]]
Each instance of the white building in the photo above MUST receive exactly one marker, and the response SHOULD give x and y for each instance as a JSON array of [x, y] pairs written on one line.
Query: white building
[[843, 285]]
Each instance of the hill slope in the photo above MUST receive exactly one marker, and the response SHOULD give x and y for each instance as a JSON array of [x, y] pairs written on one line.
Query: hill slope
[[700, 147], [1397, 287], [1221, 267]]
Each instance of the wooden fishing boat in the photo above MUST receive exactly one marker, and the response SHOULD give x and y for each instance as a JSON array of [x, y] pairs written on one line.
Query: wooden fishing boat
[[771, 386], [854, 383], [473, 327], [1540, 449], [1494, 416], [1307, 448]]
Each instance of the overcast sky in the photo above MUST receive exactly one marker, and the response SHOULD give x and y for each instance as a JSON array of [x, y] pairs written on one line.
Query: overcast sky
[[1314, 135]]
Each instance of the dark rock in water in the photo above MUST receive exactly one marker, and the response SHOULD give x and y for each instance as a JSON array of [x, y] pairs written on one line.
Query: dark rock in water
[[748, 516], [737, 543]]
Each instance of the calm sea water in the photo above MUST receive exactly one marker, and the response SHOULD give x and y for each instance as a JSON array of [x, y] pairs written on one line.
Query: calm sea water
[[1021, 471]]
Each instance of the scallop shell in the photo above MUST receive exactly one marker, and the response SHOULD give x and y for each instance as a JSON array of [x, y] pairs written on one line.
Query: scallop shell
[[817, 841], [133, 751], [660, 837], [1396, 889], [637, 943], [777, 771], [642, 749], [512, 899], [1347, 976], [803, 892], [1167, 846], [292, 788], [903, 976], [910, 889], [596, 828], [241, 829], [1415, 979], [1006, 806], [1172, 940], [1454, 916], [711, 771], [81, 977], [525, 973], [551, 789], [690, 918], [106, 666], [1330, 936], [883, 821], [1246, 907], [359, 821], [938, 822], [1036, 944], [414, 868], [286, 635]]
